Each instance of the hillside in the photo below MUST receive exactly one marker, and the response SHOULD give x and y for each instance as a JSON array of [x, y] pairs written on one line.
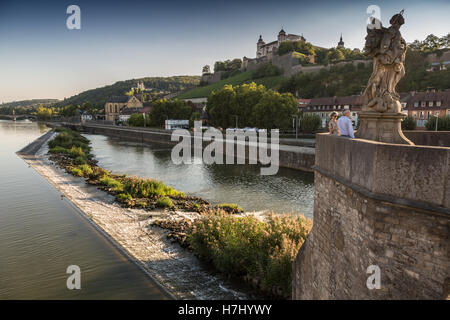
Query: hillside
[[245, 77], [99, 96], [27, 103]]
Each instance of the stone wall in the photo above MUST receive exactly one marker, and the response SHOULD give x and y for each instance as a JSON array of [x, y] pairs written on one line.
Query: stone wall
[[429, 138], [377, 204]]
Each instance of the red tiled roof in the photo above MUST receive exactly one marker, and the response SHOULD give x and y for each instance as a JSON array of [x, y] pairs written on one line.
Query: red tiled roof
[[419, 97], [352, 101]]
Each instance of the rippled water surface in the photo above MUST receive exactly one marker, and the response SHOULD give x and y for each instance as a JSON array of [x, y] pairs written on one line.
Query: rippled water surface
[[41, 235], [288, 191]]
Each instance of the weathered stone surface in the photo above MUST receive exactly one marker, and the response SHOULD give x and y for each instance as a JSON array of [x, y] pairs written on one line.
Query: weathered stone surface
[[373, 213]]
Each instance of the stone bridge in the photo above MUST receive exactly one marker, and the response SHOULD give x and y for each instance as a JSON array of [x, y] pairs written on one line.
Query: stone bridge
[[15, 117]]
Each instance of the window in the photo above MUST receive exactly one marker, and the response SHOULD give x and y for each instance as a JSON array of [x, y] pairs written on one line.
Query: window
[[430, 103], [414, 114], [416, 104], [438, 103], [423, 104]]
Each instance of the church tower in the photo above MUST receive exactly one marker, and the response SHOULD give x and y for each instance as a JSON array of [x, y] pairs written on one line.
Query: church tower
[[340, 43], [259, 46], [281, 36]]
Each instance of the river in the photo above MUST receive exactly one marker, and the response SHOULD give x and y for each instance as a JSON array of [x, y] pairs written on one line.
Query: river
[[41, 235], [289, 191]]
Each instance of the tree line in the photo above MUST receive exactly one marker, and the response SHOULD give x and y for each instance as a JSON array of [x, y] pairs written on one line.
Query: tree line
[[251, 105]]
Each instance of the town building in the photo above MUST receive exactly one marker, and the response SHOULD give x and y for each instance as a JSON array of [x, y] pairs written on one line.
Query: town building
[[115, 104], [126, 113], [424, 105], [324, 106], [302, 103]]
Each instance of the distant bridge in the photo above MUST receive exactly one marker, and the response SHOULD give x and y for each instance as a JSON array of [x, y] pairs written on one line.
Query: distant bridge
[[17, 117]]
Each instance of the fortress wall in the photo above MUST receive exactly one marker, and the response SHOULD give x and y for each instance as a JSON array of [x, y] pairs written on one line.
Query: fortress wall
[[377, 204]]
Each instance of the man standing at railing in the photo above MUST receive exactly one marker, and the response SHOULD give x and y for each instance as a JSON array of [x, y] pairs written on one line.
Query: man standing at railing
[[345, 125]]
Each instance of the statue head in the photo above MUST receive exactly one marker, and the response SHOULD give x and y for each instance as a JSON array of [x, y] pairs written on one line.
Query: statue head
[[397, 20]]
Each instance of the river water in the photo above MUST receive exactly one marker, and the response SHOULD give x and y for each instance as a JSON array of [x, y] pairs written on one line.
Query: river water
[[289, 191], [41, 235]]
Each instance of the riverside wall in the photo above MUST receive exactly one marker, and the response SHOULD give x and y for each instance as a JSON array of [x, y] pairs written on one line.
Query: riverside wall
[[293, 157], [377, 204]]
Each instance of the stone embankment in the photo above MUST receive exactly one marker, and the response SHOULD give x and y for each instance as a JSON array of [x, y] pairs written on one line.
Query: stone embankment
[[133, 231]]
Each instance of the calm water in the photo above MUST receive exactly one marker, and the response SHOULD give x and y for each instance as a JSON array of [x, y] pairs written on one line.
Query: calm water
[[288, 191], [41, 235]]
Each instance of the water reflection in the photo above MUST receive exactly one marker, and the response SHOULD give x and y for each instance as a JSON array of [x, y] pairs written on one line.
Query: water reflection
[[288, 191]]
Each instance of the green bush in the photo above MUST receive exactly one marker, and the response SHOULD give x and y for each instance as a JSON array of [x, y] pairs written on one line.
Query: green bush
[[86, 169], [230, 207], [59, 150], [246, 247], [124, 197], [76, 172], [145, 188], [76, 152], [310, 122], [111, 183], [443, 123], [267, 70], [409, 123], [79, 160], [164, 202]]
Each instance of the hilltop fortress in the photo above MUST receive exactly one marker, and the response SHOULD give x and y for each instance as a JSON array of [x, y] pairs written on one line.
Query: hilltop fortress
[[289, 62]]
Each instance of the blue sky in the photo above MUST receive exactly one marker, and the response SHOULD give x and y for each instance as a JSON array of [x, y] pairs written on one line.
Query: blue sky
[[41, 58]]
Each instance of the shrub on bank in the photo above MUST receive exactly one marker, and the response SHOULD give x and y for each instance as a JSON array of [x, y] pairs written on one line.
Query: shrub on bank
[[230, 208], [145, 188], [244, 247], [76, 172], [86, 169], [164, 202], [111, 183], [124, 197]]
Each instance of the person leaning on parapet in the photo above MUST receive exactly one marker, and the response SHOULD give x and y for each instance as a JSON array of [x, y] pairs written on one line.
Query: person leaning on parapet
[[345, 125], [332, 125]]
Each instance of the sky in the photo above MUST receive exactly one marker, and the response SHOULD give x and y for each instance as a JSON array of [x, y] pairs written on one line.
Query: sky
[[119, 40]]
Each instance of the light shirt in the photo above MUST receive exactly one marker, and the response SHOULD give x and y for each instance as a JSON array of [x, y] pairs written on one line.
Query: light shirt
[[345, 127]]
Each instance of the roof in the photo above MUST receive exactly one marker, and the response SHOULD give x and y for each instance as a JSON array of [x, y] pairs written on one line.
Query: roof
[[354, 101], [128, 111], [118, 99], [427, 96], [303, 101]]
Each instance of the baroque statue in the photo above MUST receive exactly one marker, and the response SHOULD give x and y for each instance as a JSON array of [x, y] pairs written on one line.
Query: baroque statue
[[381, 111]]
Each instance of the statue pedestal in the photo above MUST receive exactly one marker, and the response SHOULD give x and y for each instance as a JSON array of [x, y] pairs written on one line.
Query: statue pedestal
[[382, 126]]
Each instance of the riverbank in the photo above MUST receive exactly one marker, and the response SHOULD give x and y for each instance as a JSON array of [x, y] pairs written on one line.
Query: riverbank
[[132, 230]]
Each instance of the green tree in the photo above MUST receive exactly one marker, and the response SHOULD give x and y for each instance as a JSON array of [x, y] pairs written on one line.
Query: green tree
[[169, 109], [334, 55], [221, 107], [310, 122], [409, 123], [275, 110], [137, 120]]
